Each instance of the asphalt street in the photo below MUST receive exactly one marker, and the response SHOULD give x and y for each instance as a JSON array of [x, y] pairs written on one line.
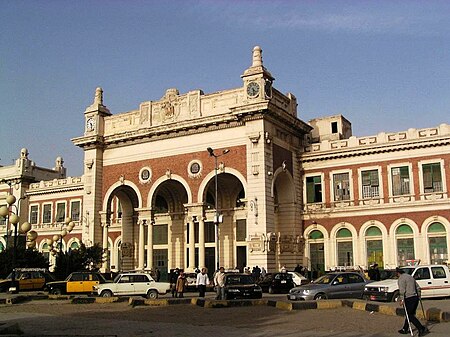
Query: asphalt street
[[61, 318]]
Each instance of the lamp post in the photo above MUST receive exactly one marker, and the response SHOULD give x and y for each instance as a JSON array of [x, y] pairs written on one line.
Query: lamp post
[[216, 217], [69, 225], [13, 218]]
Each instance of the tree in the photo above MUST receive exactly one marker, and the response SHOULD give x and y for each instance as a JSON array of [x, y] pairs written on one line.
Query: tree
[[25, 258], [83, 258]]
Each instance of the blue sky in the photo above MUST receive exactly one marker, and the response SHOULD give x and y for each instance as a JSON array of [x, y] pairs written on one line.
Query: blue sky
[[384, 65]]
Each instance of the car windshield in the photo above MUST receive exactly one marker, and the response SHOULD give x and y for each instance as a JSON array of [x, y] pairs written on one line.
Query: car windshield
[[239, 279], [325, 279]]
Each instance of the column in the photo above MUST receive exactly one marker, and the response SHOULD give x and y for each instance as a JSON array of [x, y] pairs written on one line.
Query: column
[[150, 245], [201, 242], [105, 245], [191, 244], [141, 244]]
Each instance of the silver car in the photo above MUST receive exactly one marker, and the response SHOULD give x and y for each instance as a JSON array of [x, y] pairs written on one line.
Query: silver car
[[331, 285]]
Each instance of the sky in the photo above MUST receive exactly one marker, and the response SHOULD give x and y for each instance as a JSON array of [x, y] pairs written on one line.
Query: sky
[[384, 65]]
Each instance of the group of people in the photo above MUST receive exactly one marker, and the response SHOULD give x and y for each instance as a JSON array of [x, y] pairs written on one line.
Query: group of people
[[178, 282]]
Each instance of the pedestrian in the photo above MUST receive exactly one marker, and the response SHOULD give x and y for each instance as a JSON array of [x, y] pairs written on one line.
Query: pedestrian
[[263, 272], [181, 285], [202, 282], [298, 268], [173, 281], [409, 298], [219, 282], [374, 273], [157, 274], [283, 269]]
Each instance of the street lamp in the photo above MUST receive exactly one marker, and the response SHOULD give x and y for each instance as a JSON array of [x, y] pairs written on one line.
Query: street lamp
[[216, 217], [13, 218], [69, 225]]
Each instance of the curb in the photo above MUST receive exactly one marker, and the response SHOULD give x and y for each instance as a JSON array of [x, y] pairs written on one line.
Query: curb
[[431, 314]]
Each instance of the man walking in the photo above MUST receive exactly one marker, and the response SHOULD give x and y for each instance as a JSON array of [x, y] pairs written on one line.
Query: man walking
[[409, 298], [219, 282], [202, 282]]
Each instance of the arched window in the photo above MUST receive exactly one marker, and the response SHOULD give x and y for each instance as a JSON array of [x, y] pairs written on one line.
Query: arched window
[[344, 248], [405, 244], [437, 242], [316, 253], [374, 246], [74, 245]]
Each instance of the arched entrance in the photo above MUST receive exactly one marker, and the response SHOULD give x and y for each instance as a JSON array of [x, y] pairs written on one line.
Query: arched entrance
[[120, 212], [167, 237], [232, 222]]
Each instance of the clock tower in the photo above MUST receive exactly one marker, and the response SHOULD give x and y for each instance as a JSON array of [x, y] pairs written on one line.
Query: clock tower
[[93, 116], [257, 79]]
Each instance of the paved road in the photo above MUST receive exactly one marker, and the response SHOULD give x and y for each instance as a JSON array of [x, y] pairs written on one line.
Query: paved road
[[61, 318]]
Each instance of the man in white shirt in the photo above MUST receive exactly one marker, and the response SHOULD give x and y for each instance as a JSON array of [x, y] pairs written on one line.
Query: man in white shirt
[[202, 282], [219, 282]]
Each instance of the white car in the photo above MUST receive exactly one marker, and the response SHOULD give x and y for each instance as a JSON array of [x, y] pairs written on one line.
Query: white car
[[131, 284], [298, 278]]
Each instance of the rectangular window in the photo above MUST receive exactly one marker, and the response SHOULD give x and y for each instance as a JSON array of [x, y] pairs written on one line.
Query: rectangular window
[[341, 184], [313, 189], [75, 210], [160, 234], [241, 230], [34, 214], [60, 212], [334, 127], [370, 184], [210, 232], [47, 214], [432, 179], [400, 180]]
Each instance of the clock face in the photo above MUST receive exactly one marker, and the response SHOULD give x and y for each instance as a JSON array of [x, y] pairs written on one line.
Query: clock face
[[90, 124], [253, 89]]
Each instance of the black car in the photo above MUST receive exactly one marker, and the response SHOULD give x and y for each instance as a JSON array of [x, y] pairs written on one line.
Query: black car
[[26, 279], [277, 283], [239, 285]]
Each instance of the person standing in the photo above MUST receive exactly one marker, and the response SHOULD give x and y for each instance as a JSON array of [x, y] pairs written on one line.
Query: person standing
[[202, 282], [409, 298], [173, 281], [219, 282], [181, 285], [374, 273]]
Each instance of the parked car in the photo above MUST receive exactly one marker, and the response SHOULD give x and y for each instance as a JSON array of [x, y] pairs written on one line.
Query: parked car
[[434, 281], [76, 283], [331, 285], [26, 279], [277, 283], [238, 285], [133, 284], [298, 278]]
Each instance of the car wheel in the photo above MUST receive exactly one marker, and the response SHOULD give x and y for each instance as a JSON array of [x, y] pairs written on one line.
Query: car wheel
[[56, 292], [152, 294], [106, 293], [271, 290], [320, 296], [395, 297]]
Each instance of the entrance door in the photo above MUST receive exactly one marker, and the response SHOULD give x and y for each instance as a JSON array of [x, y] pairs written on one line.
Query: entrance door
[[160, 261], [210, 260], [241, 257], [317, 259]]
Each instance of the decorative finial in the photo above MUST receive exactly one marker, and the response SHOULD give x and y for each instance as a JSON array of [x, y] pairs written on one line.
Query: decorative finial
[[257, 57], [98, 99]]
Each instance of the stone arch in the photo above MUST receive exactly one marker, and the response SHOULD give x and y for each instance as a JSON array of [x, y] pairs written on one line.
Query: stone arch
[[436, 244], [375, 249], [163, 179], [403, 250], [283, 180], [211, 176], [337, 244]]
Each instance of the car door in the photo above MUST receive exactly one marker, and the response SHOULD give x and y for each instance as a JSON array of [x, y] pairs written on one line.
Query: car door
[[89, 281], [141, 284], [424, 280], [339, 287], [38, 280], [75, 283], [441, 287], [356, 286], [25, 281], [124, 286]]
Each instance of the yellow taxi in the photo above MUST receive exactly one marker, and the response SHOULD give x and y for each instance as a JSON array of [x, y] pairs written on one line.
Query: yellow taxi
[[26, 279], [82, 282]]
